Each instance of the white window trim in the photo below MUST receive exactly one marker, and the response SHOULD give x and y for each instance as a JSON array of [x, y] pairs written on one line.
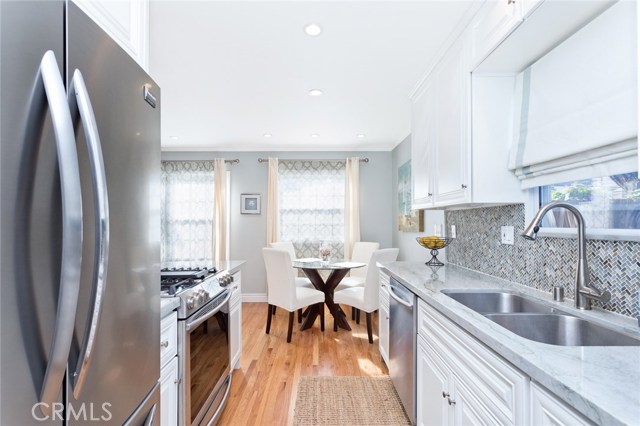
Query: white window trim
[[531, 208]]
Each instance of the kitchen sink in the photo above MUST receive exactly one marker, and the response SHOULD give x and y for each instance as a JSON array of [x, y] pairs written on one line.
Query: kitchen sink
[[539, 321], [561, 330], [496, 302]]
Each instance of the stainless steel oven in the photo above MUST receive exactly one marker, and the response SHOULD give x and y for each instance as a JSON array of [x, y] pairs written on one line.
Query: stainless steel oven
[[205, 362]]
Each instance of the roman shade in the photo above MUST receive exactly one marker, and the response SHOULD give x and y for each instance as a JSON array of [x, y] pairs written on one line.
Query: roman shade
[[576, 110]]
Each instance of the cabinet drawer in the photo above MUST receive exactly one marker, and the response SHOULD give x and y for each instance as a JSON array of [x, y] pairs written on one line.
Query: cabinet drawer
[[168, 338], [504, 389], [547, 410]]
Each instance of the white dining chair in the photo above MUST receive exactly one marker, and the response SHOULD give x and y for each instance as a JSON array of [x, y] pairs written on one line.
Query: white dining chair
[[362, 252], [366, 298], [301, 281], [283, 291]]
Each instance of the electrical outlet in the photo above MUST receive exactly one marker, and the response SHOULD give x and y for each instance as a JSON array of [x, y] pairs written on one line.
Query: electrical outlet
[[507, 234], [453, 231]]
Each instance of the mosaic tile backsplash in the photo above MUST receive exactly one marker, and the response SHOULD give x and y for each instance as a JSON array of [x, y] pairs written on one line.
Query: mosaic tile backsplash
[[546, 262]]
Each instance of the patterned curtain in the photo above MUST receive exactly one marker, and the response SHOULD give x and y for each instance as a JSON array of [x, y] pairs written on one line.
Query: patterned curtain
[[311, 205], [187, 213]]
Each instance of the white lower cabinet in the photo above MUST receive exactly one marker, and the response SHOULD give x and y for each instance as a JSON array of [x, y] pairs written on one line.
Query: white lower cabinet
[[169, 382], [383, 318], [462, 382], [169, 374], [235, 321], [547, 410], [481, 387]]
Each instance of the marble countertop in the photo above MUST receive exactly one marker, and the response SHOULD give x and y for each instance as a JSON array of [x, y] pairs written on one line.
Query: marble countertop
[[232, 266], [168, 305], [603, 383]]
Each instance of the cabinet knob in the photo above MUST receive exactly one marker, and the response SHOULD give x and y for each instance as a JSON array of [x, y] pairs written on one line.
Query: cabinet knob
[[464, 186], [429, 194], [164, 344], [451, 401], [511, 1], [178, 381], [445, 394]]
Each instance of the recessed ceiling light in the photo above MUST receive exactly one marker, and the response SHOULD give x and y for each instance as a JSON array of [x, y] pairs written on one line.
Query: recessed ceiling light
[[315, 92], [175, 138], [361, 135], [267, 135], [313, 30], [315, 135]]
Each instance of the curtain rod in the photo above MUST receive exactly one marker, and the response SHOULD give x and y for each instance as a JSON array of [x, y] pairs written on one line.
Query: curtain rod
[[234, 161], [266, 160]]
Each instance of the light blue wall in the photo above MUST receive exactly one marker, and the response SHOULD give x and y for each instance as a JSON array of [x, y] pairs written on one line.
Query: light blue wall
[[248, 232], [406, 241]]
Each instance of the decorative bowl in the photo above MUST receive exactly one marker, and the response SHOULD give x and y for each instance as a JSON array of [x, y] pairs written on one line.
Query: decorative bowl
[[434, 243]]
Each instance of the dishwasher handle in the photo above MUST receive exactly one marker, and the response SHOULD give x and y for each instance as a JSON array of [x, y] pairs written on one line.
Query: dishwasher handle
[[399, 299]]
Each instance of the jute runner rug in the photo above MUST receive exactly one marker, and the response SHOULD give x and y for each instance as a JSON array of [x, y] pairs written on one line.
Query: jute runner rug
[[348, 401]]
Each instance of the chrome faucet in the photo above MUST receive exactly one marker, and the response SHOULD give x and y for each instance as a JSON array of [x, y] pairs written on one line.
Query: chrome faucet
[[584, 292]]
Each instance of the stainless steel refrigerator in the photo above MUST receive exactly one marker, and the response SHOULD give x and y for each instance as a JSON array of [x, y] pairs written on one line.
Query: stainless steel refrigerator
[[80, 223]]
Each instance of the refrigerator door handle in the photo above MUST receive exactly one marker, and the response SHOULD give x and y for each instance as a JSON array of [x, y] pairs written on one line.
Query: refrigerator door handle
[[71, 261], [80, 104]]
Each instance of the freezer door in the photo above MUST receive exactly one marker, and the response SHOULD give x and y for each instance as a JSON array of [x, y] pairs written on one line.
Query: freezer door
[[30, 208], [124, 364]]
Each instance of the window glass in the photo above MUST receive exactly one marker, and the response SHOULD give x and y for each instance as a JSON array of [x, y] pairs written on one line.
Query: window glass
[[610, 202], [311, 205], [187, 213]]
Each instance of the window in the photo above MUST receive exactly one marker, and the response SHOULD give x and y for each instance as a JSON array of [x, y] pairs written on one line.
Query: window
[[311, 205], [187, 213], [610, 202]]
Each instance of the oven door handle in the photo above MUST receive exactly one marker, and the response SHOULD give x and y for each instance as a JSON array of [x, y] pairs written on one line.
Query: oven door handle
[[196, 322]]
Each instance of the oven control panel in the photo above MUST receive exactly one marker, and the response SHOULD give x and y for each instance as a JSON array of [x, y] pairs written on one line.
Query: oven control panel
[[194, 298]]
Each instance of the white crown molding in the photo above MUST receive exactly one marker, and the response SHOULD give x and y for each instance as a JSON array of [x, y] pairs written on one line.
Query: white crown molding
[[272, 147]]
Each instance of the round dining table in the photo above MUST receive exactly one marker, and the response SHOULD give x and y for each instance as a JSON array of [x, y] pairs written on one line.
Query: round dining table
[[339, 269]]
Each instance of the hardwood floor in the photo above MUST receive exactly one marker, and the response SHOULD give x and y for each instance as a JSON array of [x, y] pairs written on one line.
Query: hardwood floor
[[263, 390]]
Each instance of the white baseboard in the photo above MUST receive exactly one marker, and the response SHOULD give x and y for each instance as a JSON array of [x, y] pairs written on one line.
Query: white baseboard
[[254, 297]]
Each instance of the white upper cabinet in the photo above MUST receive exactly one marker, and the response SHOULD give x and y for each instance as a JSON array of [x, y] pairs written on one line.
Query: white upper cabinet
[[440, 132], [494, 22], [451, 144], [461, 134], [126, 21]]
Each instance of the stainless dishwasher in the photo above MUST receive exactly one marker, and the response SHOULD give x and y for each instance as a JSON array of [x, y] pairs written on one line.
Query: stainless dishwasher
[[402, 345]]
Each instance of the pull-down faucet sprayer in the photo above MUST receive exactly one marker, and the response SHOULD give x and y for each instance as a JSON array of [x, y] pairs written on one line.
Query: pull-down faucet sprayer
[[584, 292]]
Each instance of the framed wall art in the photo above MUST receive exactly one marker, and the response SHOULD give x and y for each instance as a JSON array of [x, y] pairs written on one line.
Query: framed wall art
[[250, 203]]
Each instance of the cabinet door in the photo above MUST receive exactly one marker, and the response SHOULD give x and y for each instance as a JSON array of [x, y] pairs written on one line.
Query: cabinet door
[[467, 411], [547, 410], [126, 21], [451, 151], [494, 22], [169, 381], [235, 331], [432, 387], [423, 131], [383, 332]]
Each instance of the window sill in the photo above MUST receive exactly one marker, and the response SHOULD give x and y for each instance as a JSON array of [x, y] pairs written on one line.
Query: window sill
[[593, 234]]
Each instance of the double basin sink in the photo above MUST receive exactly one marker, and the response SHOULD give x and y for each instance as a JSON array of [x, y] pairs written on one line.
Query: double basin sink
[[538, 321]]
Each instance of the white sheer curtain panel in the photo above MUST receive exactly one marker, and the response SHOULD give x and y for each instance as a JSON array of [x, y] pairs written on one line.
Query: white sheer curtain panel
[[272, 202], [187, 213], [220, 207], [352, 205]]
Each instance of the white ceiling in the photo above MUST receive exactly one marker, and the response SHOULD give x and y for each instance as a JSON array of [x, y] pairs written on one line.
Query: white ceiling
[[231, 71]]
